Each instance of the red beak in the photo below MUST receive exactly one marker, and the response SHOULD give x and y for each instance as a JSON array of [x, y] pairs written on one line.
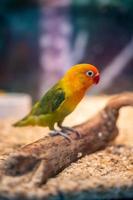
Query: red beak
[[96, 78]]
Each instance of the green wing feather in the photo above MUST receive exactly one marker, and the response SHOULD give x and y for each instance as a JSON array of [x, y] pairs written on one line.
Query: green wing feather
[[50, 102]]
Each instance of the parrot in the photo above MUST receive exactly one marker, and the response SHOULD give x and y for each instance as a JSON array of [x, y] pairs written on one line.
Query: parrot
[[61, 100]]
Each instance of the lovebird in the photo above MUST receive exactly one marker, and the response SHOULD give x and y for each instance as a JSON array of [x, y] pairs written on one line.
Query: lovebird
[[62, 99]]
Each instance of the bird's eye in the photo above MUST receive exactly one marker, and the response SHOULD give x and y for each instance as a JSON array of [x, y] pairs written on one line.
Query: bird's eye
[[90, 73]]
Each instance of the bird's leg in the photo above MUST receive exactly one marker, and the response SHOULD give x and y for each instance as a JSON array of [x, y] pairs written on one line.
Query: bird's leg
[[68, 129], [58, 132]]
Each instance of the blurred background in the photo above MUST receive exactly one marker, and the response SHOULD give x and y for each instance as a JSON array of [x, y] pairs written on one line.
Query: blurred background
[[40, 40]]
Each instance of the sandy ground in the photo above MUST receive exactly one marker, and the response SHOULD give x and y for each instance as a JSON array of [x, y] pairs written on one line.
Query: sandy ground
[[104, 174]]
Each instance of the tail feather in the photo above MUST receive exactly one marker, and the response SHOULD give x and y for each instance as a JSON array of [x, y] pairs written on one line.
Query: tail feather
[[23, 122]]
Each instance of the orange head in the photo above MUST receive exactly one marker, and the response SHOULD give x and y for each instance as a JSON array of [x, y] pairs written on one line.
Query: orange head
[[83, 75]]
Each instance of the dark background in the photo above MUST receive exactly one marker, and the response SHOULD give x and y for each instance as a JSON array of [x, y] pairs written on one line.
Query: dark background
[[40, 41]]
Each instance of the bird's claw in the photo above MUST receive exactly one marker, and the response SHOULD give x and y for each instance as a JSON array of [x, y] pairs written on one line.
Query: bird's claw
[[56, 132], [66, 129]]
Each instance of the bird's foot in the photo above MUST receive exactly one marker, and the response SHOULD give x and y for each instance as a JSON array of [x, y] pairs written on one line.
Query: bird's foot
[[58, 132], [68, 129]]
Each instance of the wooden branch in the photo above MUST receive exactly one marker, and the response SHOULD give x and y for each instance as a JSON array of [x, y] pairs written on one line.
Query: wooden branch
[[48, 156]]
